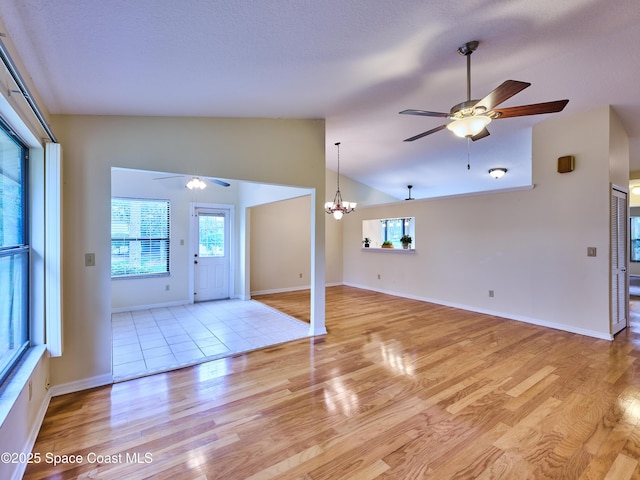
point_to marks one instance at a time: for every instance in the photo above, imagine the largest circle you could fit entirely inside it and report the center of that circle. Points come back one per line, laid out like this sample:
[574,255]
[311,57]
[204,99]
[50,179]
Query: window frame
[22,249]
[634,238]
[149,240]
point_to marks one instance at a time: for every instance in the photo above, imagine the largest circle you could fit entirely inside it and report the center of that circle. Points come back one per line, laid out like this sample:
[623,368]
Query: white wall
[529,246]
[287,152]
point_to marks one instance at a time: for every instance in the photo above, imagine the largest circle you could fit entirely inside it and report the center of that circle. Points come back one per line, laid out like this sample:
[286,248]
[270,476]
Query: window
[139,237]
[393,229]
[635,239]
[14,251]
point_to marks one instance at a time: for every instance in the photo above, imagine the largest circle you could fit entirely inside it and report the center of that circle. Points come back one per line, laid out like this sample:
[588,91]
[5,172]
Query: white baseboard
[177,303]
[519,318]
[280,290]
[93,382]
[292,289]
[18,473]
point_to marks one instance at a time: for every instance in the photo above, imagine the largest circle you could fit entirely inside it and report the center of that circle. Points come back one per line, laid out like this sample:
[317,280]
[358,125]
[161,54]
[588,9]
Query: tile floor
[161,339]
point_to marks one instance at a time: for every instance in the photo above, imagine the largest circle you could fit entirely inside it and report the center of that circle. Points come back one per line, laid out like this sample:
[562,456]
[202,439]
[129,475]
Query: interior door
[619,278]
[211,258]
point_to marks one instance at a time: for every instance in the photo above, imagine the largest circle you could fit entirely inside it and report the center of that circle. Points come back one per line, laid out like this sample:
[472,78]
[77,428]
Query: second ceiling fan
[470,118]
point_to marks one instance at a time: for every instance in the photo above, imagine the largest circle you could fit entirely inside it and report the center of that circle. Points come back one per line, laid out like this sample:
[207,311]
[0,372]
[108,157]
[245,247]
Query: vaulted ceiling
[354,63]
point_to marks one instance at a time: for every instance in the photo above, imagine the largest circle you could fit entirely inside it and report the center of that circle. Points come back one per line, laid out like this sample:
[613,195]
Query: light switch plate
[591,251]
[89,259]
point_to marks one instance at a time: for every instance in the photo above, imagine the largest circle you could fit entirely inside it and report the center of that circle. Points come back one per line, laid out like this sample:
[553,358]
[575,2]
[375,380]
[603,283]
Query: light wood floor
[398,389]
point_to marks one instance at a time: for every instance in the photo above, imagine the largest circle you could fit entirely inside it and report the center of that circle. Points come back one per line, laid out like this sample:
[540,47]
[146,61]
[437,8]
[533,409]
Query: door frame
[193,206]
[625,224]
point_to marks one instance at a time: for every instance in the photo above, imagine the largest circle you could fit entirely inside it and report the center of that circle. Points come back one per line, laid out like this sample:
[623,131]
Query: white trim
[281,290]
[18,473]
[455,195]
[388,250]
[53,249]
[132,308]
[85,384]
[291,289]
[18,379]
[193,206]
[519,318]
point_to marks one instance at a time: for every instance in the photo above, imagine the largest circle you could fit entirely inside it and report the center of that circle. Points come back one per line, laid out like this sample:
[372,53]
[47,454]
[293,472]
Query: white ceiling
[356,63]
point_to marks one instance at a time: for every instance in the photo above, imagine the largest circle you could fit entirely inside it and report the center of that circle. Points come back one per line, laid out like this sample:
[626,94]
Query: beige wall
[279,238]
[289,152]
[280,250]
[529,246]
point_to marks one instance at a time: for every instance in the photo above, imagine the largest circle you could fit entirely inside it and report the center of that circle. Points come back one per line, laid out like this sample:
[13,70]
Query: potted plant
[406,241]
[387,244]
[366,241]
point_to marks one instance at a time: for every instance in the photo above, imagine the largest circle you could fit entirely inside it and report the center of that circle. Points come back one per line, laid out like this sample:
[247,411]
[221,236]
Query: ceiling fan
[470,118]
[197,182]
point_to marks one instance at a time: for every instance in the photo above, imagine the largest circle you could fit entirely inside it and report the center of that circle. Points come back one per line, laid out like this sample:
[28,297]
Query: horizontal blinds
[139,237]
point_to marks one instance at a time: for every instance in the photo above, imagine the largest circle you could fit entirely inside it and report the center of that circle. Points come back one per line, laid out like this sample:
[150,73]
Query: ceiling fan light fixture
[469,126]
[195,182]
[497,172]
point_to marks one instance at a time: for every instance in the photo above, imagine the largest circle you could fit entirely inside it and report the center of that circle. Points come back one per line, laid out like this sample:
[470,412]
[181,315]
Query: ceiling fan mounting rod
[467,49]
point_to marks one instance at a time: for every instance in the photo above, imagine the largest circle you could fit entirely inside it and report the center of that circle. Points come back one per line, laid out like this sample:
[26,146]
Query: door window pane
[211,235]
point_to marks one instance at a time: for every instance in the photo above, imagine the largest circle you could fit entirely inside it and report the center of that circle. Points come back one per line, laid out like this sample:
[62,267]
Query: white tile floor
[161,339]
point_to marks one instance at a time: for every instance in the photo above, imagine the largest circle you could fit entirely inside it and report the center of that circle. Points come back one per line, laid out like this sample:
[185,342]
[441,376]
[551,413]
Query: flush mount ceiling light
[497,172]
[338,207]
[195,182]
[635,190]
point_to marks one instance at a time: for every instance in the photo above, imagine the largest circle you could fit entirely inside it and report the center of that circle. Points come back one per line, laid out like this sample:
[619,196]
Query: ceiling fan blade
[424,113]
[483,133]
[172,176]
[505,91]
[220,182]
[533,109]
[428,132]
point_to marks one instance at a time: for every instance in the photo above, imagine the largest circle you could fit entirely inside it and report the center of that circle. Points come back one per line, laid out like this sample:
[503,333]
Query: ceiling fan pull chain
[468,153]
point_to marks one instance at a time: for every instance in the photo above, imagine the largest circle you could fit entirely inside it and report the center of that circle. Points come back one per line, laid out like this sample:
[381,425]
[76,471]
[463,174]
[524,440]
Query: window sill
[392,250]
[18,379]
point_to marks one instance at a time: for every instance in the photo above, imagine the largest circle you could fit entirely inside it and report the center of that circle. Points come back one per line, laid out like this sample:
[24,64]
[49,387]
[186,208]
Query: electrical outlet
[491,293]
[378,276]
[300,275]
[47,384]
[30,390]
[166,288]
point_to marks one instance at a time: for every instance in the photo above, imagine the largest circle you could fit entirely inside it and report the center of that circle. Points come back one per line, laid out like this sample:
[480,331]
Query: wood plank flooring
[398,389]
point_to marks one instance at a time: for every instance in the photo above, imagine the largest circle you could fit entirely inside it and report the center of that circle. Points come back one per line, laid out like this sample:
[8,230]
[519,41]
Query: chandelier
[338,207]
